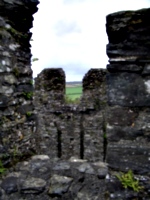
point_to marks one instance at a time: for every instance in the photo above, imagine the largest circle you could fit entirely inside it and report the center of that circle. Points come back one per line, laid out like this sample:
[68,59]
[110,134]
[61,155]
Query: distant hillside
[73,83]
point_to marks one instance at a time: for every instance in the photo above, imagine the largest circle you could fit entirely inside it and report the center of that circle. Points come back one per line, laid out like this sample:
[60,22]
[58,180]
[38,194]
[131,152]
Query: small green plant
[31,82]
[28,95]
[2,168]
[12,31]
[28,114]
[128,181]
[35,59]
[105,136]
[16,72]
[15,152]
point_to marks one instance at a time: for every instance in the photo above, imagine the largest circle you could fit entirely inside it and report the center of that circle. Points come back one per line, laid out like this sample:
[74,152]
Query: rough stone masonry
[53,150]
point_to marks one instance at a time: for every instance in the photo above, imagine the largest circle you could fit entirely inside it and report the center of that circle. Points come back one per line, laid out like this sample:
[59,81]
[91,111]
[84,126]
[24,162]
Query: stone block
[128,89]
[128,35]
[128,139]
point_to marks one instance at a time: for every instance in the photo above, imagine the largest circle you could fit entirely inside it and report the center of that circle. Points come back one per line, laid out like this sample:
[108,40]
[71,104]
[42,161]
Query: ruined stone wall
[128,114]
[111,122]
[16,88]
[84,145]
[66,130]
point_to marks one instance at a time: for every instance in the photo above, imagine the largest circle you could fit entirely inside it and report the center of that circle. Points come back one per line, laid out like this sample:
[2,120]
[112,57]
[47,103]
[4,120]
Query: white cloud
[71,34]
[62,28]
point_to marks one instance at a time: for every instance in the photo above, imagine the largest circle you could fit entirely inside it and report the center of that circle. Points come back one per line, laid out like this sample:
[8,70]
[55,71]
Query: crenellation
[75,125]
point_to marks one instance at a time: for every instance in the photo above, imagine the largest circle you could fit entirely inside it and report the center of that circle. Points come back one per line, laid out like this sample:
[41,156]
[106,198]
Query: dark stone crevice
[104,139]
[59,144]
[59,141]
[81,138]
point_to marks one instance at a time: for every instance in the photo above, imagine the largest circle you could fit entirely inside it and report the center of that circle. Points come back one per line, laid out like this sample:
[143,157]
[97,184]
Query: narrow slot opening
[104,140]
[81,138]
[59,134]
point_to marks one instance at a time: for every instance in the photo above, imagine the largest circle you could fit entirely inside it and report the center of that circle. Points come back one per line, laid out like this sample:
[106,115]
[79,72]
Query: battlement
[107,132]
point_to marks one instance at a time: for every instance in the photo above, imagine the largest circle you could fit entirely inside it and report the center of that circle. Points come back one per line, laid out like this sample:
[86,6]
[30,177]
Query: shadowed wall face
[51,80]
[16,89]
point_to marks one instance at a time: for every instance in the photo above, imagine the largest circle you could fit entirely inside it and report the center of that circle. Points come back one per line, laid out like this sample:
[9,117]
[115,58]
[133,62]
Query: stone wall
[82,147]
[128,114]
[66,130]
[16,89]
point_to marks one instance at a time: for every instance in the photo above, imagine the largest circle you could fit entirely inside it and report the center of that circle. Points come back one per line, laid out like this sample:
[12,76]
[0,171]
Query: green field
[74,91]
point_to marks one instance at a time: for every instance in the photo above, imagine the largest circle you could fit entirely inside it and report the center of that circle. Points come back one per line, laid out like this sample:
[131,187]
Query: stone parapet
[66,130]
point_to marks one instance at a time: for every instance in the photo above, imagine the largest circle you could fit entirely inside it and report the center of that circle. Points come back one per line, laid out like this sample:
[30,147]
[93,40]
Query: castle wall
[78,149]
[128,93]
[67,130]
[16,88]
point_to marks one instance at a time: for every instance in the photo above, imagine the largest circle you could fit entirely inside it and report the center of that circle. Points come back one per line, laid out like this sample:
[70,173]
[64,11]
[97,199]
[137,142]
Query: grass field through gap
[73,91]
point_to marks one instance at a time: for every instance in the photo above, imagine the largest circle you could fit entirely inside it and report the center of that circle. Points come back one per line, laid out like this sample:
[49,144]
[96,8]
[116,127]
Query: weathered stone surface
[93,136]
[94,90]
[3,101]
[86,168]
[25,89]
[121,116]
[128,139]
[15,79]
[127,117]
[74,140]
[40,157]
[94,79]
[129,157]
[51,79]
[128,89]
[59,184]
[19,19]
[146,70]
[47,136]
[33,185]
[62,166]
[128,34]
[64,179]
[70,137]
[126,67]
[10,185]
[10,79]
[24,109]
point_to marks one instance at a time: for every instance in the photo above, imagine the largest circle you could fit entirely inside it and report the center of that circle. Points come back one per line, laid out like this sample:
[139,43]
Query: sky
[71,34]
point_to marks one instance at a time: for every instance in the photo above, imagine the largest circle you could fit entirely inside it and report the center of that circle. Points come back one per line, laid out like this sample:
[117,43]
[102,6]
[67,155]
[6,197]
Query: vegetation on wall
[128,181]
[2,168]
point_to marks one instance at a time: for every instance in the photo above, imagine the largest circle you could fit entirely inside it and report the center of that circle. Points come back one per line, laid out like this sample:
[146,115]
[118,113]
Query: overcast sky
[71,34]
